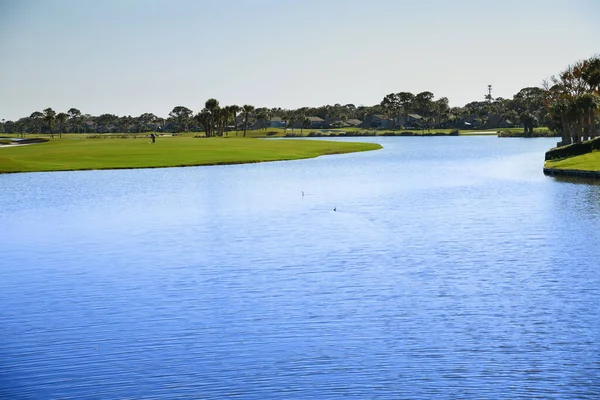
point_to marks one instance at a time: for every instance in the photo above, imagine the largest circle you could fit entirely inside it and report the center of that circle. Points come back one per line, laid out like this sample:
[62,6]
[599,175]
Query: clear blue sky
[127,57]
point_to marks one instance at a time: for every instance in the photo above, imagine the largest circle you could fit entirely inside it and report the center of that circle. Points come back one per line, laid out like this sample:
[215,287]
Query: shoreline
[572,172]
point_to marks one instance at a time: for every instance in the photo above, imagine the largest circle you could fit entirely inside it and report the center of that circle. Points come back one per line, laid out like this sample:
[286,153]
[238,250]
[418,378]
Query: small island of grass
[77,153]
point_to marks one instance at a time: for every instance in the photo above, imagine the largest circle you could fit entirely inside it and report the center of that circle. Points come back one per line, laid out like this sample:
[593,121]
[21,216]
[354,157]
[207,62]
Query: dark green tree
[61,120]
[247,110]
[182,117]
[49,116]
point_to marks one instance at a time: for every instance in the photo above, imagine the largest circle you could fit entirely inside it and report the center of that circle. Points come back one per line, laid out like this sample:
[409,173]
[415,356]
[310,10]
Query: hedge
[572,150]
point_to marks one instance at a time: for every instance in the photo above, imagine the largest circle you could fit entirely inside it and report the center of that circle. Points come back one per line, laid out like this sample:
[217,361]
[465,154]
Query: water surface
[452,268]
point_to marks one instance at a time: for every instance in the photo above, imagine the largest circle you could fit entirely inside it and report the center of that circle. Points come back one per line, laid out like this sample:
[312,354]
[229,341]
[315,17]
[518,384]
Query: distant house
[377,121]
[90,126]
[313,123]
[498,121]
[414,121]
[317,122]
[469,122]
[276,122]
[273,122]
[354,122]
[251,122]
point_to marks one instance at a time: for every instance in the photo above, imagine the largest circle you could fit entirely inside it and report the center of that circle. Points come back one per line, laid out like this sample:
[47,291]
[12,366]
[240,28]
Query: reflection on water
[452,268]
[577,180]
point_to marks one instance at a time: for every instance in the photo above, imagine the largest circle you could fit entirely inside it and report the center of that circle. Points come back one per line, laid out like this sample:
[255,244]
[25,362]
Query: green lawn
[75,152]
[584,162]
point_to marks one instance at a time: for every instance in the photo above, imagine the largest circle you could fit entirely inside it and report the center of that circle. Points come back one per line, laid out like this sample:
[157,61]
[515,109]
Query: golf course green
[75,152]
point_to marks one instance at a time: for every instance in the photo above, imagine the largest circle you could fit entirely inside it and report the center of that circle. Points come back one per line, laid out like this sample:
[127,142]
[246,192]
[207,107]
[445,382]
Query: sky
[127,57]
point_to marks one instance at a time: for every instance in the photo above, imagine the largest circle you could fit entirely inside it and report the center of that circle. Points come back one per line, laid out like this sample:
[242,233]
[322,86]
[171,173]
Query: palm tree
[588,104]
[212,105]
[574,115]
[305,122]
[235,109]
[222,117]
[300,116]
[247,109]
[286,117]
[591,73]
[594,108]
[226,118]
[204,118]
[262,115]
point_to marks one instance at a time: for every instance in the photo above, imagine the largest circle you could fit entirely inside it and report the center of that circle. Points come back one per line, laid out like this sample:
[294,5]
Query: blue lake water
[452,268]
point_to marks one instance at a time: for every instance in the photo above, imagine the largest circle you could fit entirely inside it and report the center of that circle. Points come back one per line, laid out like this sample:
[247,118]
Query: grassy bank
[584,162]
[75,152]
[583,156]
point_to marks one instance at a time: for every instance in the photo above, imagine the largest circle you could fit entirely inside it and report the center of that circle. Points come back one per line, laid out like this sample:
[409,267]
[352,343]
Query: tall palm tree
[235,109]
[286,117]
[300,116]
[588,104]
[247,110]
[304,122]
[204,118]
[226,118]
[222,118]
[212,105]
[559,109]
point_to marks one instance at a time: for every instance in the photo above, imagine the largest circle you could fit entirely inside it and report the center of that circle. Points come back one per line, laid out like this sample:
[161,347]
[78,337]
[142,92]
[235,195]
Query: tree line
[567,103]
[573,100]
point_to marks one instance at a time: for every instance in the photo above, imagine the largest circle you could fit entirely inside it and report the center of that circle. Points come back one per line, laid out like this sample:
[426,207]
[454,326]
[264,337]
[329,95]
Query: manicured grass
[76,153]
[584,162]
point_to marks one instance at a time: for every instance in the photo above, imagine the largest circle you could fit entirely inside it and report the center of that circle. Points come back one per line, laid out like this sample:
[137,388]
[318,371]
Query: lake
[450,268]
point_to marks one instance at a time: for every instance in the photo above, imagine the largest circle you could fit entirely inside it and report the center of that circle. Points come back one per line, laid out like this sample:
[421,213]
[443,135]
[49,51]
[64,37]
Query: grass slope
[81,154]
[584,162]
